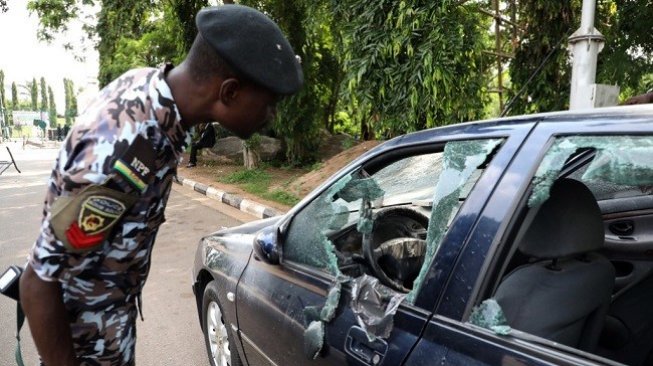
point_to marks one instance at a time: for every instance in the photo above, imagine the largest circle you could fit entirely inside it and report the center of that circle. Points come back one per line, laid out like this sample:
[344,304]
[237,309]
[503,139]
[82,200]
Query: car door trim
[527,343]
[255,347]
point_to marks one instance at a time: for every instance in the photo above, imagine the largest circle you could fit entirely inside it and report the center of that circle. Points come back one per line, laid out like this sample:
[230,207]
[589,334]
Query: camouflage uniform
[102,286]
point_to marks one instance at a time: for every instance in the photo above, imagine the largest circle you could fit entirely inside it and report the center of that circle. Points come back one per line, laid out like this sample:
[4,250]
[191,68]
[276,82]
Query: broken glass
[311,245]
[461,160]
[620,160]
[444,178]
[314,339]
[489,315]
[374,306]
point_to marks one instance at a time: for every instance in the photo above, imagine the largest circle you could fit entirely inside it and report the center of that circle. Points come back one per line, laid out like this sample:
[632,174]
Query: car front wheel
[219,342]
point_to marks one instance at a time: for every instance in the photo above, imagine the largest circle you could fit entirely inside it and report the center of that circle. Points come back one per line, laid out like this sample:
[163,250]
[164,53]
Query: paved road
[170,334]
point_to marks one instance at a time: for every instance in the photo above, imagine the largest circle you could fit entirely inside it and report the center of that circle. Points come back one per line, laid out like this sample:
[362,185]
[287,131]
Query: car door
[487,253]
[281,309]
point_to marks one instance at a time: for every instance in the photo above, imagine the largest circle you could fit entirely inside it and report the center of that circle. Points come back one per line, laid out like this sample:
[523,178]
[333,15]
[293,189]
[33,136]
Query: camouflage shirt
[100,285]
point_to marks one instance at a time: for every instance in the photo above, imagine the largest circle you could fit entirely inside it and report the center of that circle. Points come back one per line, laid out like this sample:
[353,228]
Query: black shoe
[191,165]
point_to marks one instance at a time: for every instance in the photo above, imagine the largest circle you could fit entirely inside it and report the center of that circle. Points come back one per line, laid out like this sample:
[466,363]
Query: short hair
[205,63]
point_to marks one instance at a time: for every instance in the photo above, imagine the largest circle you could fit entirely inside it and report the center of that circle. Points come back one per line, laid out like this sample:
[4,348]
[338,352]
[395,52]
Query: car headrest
[568,223]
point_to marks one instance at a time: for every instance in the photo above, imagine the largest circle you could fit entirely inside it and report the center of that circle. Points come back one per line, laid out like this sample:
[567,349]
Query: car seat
[564,292]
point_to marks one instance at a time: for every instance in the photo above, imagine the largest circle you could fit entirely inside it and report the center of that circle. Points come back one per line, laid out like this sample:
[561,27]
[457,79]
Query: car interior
[395,246]
[577,270]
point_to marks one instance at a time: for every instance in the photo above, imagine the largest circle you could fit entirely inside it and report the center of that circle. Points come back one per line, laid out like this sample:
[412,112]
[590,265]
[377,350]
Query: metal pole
[584,45]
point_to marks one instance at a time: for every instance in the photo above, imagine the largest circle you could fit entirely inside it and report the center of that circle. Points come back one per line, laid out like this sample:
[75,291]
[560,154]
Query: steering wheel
[394,248]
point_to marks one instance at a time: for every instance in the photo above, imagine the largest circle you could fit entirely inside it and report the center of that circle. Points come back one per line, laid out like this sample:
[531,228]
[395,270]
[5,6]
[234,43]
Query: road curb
[243,204]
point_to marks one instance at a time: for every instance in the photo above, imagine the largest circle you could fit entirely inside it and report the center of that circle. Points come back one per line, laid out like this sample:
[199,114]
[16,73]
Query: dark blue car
[517,241]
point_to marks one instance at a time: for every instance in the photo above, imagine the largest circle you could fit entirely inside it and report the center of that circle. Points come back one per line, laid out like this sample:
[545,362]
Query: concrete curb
[245,205]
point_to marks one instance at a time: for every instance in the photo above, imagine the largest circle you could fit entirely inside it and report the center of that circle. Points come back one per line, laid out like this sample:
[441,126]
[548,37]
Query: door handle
[622,228]
[358,346]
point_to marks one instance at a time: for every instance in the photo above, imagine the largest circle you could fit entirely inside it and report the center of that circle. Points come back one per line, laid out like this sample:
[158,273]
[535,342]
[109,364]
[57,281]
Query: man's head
[237,68]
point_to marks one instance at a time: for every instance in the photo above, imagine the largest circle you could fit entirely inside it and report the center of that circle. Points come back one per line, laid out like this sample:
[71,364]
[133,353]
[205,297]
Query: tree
[14,96]
[44,96]
[307,24]
[627,58]
[34,93]
[70,100]
[412,64]
[3,99]
[541,66]
[52,109]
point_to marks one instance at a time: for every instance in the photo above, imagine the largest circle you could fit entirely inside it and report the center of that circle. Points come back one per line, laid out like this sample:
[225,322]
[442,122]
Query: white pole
[585,45]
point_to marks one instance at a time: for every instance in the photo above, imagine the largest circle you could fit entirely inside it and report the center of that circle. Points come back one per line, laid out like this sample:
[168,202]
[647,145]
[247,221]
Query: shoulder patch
[83,222]
[137,163]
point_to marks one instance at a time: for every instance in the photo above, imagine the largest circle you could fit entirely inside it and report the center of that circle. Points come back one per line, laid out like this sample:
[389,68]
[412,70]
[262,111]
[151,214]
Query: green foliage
[308,26]
[180,16]
[345,124]
[54,15]
[14,96]
[282,197]
[549,88]
[3,99]
[257,181]
[412,64]
[246,176]
[118,20]
[627,58]
[71,102]
[44,96]
[52,109]
[34,93]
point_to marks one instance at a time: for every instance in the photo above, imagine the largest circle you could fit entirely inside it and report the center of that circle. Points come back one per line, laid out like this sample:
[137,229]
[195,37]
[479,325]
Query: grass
[257,181]
[282,197]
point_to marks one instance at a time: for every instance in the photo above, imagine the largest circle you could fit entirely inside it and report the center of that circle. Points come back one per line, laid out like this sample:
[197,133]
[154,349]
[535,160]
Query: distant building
[26,118]
[24,123]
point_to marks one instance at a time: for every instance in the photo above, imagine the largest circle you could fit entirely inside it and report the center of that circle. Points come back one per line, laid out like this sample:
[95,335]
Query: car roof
[507,124]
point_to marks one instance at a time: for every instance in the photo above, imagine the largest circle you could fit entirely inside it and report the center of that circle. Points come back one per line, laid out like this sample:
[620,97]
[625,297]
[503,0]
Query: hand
[47,317]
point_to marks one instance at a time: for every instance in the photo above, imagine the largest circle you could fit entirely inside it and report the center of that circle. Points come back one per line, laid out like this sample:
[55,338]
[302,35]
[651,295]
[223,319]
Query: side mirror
[266,245]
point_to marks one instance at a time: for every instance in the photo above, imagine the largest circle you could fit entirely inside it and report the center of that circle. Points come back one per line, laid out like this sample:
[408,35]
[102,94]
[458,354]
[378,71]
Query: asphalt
[249,206]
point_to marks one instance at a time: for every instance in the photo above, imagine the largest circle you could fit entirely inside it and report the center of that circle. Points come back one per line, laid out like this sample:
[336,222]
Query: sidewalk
[244,204]
[203,181]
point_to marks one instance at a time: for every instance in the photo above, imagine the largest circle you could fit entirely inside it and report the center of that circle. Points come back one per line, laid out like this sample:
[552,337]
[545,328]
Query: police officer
[110,184]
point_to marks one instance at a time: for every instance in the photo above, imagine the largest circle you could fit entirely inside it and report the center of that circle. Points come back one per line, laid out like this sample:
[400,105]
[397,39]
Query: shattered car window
[380,232]
[461,162]
[621,166]
[489,315]
[349,201]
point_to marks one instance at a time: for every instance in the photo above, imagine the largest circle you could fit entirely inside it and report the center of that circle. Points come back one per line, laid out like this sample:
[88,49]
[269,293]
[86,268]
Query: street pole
[585,45]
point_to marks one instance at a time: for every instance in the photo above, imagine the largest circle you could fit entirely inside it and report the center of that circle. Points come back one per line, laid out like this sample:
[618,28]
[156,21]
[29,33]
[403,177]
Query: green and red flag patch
[137,163]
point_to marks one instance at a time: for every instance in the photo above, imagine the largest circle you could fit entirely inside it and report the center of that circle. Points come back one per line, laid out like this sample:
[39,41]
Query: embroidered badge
[97,214]
[137,163]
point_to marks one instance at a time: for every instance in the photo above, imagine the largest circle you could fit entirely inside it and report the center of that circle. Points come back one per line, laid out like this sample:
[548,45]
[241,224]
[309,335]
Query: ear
[229,90]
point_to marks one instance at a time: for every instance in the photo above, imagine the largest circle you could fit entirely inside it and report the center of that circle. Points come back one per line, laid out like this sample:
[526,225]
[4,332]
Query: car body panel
[271,299]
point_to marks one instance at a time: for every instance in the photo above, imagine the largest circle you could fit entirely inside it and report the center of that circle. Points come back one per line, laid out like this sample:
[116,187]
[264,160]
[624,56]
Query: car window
[557,282]
[621,166]
[404,208]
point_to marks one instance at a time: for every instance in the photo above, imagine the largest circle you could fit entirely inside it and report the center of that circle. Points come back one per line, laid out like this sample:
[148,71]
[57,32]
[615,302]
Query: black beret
[253,45]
